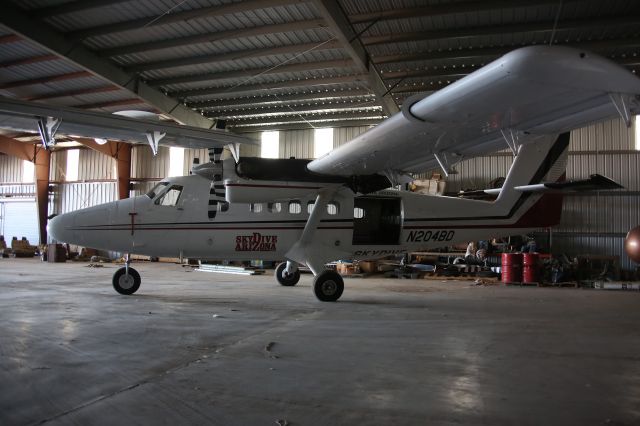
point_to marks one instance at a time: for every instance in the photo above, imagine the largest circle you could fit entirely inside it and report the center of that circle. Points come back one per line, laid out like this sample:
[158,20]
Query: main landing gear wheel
[285,279]
[126,283]
[328,286]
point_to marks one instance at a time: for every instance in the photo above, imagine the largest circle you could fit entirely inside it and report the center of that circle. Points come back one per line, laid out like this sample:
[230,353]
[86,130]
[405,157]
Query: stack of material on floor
[56,253]
[368,266]
[4,252]
[434,186]
[347,268]
[86,253]
[22,248]
[236,270]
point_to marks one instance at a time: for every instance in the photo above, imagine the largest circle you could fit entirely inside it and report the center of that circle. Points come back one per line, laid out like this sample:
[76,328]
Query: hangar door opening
[19,218]
[377,220]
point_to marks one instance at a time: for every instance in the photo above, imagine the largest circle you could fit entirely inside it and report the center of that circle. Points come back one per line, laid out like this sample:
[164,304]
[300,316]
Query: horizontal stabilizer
[595,182]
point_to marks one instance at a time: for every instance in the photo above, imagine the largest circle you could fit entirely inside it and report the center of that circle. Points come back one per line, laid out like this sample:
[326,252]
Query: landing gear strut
[126,280]
[287,274]
[328,286]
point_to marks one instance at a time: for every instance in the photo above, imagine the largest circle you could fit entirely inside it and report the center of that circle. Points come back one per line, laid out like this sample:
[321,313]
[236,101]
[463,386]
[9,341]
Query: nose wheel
[328,286]
[126,280]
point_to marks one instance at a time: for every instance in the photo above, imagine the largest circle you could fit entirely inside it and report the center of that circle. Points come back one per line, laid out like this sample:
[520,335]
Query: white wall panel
[10,169]
[94,165]
[145,165]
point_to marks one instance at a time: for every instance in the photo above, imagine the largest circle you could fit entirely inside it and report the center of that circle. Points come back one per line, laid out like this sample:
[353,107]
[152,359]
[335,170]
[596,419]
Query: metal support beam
[337,115]
[304,125]
[249,89]
[42,162]
[48,79]
[73,6]
[72,93]
[249,73]
[448,9]
[309,96]
[341,28]
[212,37]
[180,16]
[491,52]
[41,159]
[121,152]
[43,35]
[28,61]
[296,108]
[108,104]
[234,56]
[460,33]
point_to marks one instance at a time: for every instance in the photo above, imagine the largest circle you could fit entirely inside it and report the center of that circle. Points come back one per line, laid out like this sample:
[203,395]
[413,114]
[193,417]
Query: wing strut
[234,148]
[47,128]
[621,107]
[445,163]
[511,139]
[154,138]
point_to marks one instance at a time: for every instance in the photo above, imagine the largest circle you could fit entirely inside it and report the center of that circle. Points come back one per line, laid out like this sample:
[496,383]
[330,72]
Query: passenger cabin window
[255,207]
[156,190]
[295,207]
[170,197]
[275,207]
[358,213]
[310,205]
[333,208]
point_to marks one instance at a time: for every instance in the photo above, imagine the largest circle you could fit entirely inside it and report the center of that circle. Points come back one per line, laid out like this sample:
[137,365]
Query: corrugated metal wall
[10,169]
[93,165]
[342,135]
[297,143]
[11,177]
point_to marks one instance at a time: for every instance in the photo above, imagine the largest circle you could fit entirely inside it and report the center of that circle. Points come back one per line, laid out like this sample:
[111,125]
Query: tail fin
[544,160]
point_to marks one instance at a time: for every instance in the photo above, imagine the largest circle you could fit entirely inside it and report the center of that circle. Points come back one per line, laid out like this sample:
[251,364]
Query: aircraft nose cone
[59,227]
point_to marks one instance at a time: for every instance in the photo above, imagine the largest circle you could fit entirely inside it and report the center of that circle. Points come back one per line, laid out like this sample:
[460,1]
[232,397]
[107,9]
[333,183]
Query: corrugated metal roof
[432,26]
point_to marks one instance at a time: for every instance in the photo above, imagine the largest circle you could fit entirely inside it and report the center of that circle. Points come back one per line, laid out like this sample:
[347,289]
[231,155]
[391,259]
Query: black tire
[287,281]
[124,284]
[328,286]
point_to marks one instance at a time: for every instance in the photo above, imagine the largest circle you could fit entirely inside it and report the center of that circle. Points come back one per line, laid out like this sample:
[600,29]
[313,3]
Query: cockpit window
[156,190]
[170,197]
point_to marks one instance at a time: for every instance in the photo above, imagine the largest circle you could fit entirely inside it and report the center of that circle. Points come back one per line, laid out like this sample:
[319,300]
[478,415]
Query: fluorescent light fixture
[323,142]
[176,161]
[270,147]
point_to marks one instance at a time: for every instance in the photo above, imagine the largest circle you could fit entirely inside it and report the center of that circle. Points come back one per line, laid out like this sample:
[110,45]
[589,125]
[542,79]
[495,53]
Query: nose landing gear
[126,280]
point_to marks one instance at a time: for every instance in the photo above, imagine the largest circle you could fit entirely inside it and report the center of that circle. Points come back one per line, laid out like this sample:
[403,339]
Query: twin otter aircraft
[339,206]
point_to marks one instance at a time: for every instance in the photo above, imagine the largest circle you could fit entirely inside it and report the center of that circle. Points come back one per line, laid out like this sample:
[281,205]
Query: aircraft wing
[529,92]
[25,116]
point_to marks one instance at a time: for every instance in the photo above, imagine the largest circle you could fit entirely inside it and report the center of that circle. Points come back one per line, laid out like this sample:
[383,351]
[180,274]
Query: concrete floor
[203,348]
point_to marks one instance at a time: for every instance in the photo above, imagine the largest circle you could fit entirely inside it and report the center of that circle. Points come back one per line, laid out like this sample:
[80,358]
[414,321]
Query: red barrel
[511,267]
[531,267]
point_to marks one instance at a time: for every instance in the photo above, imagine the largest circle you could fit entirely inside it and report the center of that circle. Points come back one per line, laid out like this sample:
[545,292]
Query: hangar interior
[308,76]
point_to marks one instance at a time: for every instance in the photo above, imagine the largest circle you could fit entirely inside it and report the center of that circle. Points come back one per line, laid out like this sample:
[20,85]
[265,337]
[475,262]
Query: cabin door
[377,220]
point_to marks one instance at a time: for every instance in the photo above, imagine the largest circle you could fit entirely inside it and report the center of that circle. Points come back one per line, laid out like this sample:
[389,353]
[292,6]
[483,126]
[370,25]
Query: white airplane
[339,206]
